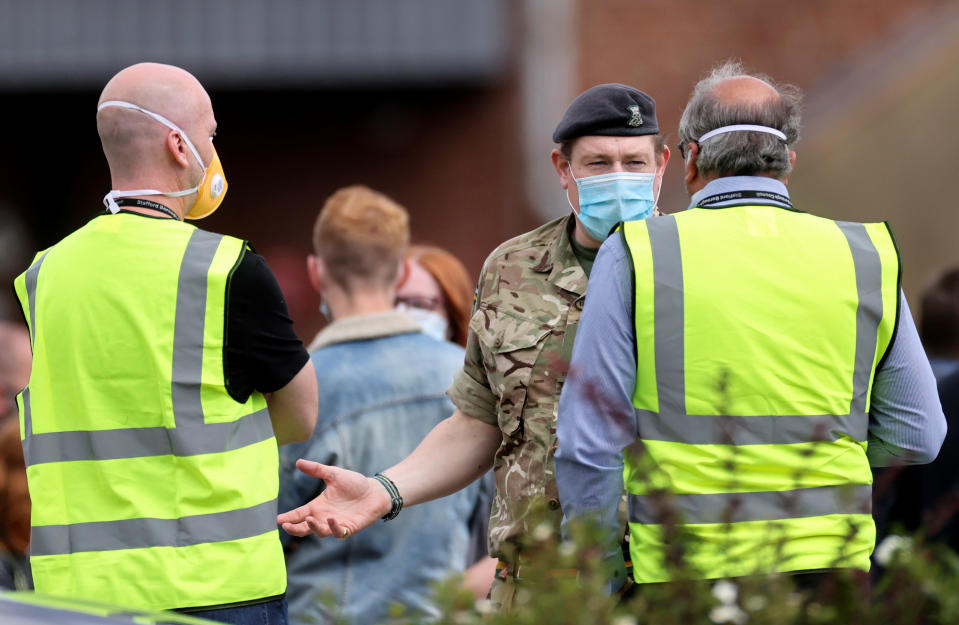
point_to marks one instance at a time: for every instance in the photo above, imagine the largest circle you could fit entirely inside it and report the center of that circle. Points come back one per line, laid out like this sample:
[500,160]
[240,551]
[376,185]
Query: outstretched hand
[349,503]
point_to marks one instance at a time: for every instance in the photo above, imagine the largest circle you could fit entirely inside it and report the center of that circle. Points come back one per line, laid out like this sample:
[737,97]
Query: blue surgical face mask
[607,199]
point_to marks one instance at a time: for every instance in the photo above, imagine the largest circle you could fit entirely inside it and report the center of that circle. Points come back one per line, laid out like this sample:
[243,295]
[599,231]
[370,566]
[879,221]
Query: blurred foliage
[565,582]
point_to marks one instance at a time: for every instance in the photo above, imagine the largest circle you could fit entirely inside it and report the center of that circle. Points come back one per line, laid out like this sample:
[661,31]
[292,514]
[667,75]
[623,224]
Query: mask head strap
[160,118]
[742,128]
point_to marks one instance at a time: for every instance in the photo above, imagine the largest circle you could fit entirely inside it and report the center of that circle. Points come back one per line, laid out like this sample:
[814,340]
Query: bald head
[137,146]
[729,96]
[744,90]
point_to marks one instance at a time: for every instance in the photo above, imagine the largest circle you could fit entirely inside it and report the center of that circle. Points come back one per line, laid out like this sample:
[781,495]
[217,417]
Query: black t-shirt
[261,351]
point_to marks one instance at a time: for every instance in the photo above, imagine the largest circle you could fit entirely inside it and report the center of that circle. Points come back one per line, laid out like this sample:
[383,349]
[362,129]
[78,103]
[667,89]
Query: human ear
[316,272]
[178,148]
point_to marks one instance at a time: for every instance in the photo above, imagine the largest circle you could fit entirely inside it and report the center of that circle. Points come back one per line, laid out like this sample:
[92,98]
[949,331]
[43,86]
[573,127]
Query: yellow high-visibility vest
[151,486]
[758,333]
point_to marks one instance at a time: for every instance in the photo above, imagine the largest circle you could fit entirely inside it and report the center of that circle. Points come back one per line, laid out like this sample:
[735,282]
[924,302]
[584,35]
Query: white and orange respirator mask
[209,193]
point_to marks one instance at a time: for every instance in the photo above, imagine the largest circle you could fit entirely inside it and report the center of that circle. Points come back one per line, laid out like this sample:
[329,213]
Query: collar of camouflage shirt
[558,259]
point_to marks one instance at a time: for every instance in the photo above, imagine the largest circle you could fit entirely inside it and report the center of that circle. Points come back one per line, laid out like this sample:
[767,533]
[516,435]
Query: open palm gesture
[350,502]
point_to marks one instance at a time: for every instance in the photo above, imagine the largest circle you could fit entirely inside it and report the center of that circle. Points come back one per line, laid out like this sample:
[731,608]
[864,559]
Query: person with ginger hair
[382,380]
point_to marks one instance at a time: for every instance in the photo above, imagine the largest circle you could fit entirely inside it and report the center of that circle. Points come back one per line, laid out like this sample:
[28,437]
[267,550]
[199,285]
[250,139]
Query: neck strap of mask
[141,203]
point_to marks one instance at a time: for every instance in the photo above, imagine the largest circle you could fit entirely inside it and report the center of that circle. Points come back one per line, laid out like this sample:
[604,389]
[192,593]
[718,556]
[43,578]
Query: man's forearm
[456,452]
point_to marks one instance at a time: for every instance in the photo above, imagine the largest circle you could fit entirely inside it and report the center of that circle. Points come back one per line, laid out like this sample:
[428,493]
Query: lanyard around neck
[135,201]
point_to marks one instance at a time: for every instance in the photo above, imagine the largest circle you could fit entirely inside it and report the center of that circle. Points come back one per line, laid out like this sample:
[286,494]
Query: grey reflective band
[190,436]
[181,441]
[750,430]
[30,282]
[49,540]
[668,315]
[865,257]
[755,506]
[188,327]
[672,423]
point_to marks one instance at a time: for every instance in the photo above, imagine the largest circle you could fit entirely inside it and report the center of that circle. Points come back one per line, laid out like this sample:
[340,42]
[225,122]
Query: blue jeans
[269,613]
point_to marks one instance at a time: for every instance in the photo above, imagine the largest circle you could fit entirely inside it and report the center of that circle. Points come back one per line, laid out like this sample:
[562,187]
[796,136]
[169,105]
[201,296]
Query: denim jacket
[382,389]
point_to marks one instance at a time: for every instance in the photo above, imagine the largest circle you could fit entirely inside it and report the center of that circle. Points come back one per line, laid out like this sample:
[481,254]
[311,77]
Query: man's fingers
[296,529]
[314,469]
[320,529]
[296,515]
[340,531]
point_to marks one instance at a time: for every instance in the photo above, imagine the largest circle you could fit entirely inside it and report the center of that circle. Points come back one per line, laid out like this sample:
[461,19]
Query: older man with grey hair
[752,359]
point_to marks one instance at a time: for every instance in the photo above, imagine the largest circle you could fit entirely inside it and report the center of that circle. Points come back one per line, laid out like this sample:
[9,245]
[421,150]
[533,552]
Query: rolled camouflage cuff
[473,398]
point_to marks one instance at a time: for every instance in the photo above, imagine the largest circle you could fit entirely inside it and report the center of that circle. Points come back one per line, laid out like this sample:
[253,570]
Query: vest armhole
[226,312]
[895,325]
[632,286]
[23,313]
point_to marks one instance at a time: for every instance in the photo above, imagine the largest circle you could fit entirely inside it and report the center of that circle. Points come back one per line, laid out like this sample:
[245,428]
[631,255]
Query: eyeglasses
[682,146]
[417,301]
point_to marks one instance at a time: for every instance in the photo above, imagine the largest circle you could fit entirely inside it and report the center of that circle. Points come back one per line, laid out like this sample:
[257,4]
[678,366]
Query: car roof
[28,608]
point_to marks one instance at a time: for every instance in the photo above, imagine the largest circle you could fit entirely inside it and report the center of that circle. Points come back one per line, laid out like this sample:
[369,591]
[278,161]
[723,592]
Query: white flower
[756,603]
[725,592]
[728,614]
[484,606]
[889,546]
[543,531]
[624,619]
[567,549]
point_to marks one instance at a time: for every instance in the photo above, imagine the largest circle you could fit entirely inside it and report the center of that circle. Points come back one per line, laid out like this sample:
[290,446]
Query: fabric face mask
[432,323]
[607,199]
[209,193]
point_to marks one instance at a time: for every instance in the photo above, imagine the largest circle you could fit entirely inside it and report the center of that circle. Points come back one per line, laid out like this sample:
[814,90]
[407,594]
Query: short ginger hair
[361,235]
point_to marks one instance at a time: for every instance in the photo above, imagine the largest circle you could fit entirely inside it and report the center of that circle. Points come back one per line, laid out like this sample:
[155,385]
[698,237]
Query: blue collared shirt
[906,420]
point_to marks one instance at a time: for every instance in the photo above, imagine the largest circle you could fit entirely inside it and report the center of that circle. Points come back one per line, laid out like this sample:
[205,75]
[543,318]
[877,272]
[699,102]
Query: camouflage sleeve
[470,391]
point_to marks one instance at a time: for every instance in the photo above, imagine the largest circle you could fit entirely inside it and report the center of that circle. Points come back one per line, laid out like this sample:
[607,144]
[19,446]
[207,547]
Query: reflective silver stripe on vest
[30,282]
[868,265]
[751,430]
[672,423]
[49,540]
[188,327]
[756,506]
[668,314]
[185,440]
[191,436]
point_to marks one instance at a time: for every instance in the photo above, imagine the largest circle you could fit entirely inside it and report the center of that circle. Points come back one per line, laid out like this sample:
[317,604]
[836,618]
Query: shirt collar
[364,328]
[731,184]
[560,261]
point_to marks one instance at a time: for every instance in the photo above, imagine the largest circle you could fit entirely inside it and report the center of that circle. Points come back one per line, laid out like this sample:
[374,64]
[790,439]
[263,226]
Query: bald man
[166,370]
[14,366]
[751,360]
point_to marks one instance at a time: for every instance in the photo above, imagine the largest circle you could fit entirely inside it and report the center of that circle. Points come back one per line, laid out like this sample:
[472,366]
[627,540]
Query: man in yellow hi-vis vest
[754,359]
[165,372]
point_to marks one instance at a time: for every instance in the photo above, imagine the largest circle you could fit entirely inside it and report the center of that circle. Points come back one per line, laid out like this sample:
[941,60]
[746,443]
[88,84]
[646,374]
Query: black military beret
[611,110]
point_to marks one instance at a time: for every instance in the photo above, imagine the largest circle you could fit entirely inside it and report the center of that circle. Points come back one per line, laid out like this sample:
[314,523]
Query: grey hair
[741,153]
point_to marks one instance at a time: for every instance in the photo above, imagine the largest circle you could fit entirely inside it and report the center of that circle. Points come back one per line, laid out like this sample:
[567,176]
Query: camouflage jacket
[529,300]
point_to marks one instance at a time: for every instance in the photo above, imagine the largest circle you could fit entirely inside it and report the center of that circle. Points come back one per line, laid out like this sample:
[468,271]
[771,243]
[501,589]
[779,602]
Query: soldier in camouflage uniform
[530,295]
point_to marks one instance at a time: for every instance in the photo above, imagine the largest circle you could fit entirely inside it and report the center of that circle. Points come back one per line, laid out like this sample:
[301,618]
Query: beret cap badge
[635,119]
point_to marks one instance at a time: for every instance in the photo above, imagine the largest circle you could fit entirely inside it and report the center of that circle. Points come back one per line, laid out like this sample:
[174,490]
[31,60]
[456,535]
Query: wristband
[394,493]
